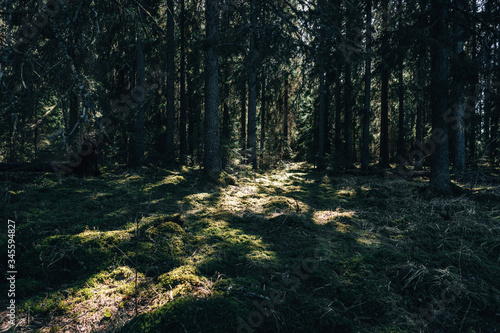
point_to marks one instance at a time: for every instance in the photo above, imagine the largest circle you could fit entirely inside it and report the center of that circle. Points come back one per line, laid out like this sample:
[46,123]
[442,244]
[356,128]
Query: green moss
[345,254]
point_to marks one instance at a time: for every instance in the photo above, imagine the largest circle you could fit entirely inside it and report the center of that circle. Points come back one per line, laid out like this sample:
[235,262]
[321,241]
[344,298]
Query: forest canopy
[213,83]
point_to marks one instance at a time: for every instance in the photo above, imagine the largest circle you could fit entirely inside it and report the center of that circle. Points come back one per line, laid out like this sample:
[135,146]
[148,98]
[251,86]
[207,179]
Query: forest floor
[286,250]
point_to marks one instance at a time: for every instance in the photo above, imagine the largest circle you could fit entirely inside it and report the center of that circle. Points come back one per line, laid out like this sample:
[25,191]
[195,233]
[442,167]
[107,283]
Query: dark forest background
[336,83]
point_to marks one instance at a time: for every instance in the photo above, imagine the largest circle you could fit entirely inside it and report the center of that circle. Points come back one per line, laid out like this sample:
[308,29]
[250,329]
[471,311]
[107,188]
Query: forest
[250,166]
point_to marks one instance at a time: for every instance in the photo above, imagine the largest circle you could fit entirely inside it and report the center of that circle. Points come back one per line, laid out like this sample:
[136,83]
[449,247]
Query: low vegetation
[288,250]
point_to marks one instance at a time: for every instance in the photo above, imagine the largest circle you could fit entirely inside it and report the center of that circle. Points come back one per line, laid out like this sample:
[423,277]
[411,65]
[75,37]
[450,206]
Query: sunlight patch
[326,216]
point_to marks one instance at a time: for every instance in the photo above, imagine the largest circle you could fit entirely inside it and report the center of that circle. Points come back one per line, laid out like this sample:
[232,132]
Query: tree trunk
[263,116]
[226,120]
[140,93]
[321,122]
[252,88]
[213,164]
[243,119]
[420,109]
[328,84]
[470,103]
[384,102]
[440,173]
[348,117]
[365,152]
[338,112]
[183,108]
[194,108]
[170,151]
[401,115]
[285,120]
[459,124]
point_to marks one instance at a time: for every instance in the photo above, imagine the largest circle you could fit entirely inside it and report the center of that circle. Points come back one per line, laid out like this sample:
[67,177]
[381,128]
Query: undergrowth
[291,250]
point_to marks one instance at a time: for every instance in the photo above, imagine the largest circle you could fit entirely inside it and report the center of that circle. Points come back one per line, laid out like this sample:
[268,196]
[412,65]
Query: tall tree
[140,91]
[285,120]
[170,151]
[365,152]
[338,112]
[322,91]
[252,86]
[348,116]
[243,118]
[459,87]
[322,116]
[420,107]
[263,117]
[213,165]
[440,181]
[384,103]
[183,100]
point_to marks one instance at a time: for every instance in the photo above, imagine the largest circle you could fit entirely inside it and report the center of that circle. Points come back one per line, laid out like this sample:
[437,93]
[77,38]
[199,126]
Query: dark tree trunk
[401,115]
[365,152]
[252,88]
[183,107]
[243,118]
[338,113]
[459,112]
[170,148]
[226,120]
[328,84]
[384,103]
[321,121]
[285,120]
[420,109]
[140,92]
[470,103]
[440,173]
[194,106]
[263,116]
[213,163]
[348,117]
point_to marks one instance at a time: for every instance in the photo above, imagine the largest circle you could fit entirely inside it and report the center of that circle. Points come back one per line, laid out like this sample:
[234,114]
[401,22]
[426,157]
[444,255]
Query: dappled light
[176,249]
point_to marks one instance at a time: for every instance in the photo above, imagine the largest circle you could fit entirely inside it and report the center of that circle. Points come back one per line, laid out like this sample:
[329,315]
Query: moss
[344,254]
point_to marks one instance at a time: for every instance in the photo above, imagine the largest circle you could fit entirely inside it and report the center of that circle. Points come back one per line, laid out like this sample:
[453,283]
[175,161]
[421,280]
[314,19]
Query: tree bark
[440,173]
[322,113]
[226,119]
[459,125]
[213,163]
[470,104]
[338,113]
[243,119]
[252,88]
[420,109]
[285,120]
[348,117]
[263,116]
[183,107]
[401,114]
[384,103]
[140,92]
[365,152]
[170,151]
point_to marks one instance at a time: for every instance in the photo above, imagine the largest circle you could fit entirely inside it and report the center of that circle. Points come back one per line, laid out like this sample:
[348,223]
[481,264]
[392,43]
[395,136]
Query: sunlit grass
[207,254]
